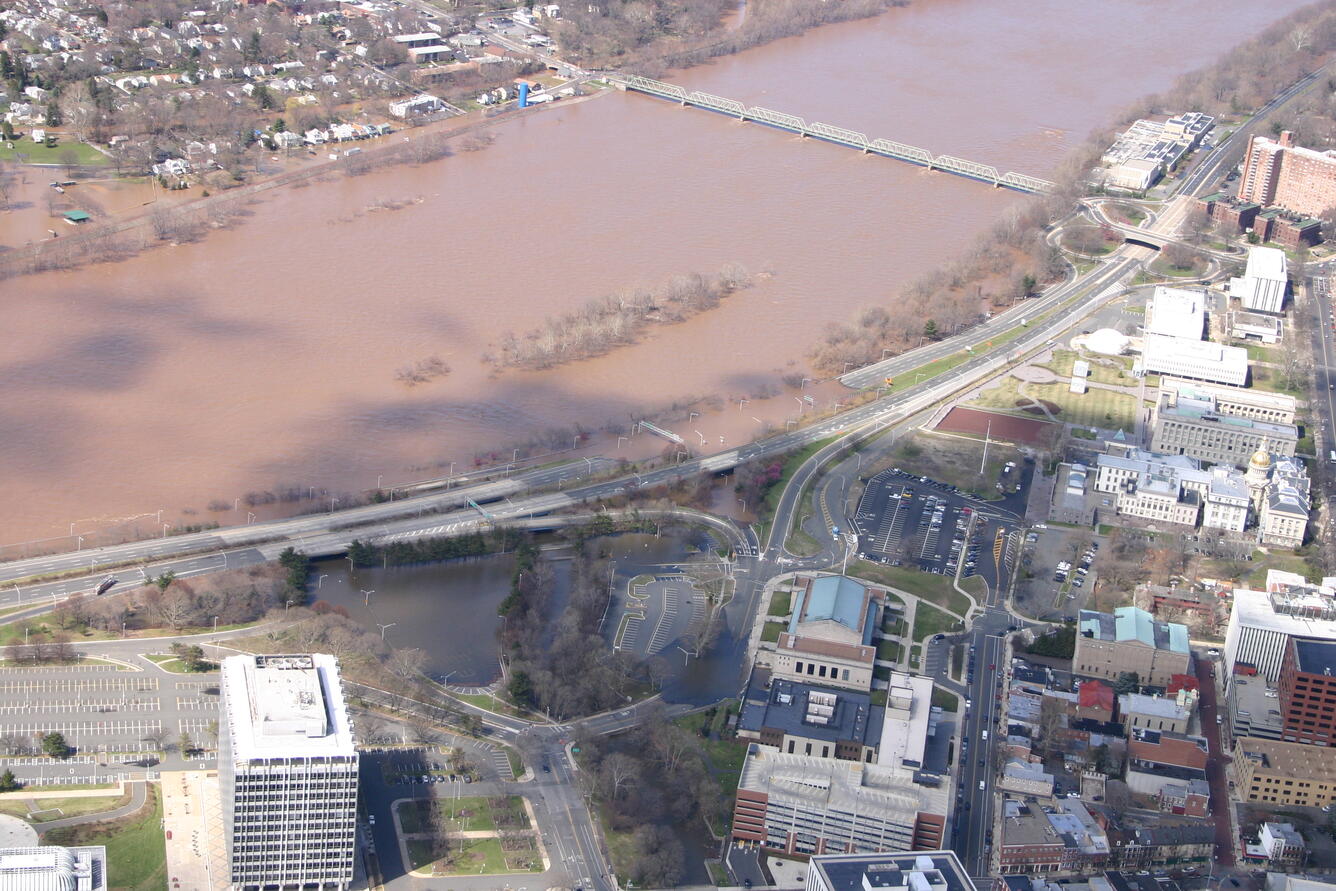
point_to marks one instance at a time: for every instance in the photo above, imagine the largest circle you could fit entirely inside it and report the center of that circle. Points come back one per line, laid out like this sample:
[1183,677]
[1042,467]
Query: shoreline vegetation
[622,34]
[1013,259]
[603,324]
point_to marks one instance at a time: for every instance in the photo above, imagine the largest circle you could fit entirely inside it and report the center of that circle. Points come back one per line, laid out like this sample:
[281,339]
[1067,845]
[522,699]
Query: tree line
[563,666]
[649,781]
[605,323]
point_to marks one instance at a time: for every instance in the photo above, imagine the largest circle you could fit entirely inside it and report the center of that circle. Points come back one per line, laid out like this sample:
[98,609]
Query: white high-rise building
[1262,287]
[1261,623]
[288,771]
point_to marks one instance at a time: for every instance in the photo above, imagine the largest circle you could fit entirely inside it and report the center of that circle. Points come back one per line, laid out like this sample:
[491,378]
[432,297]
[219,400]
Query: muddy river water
[265,355]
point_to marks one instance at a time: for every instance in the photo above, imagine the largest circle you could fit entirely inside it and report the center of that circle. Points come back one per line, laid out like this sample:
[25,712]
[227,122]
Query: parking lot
[1059,570]
[114,717]
[904,520]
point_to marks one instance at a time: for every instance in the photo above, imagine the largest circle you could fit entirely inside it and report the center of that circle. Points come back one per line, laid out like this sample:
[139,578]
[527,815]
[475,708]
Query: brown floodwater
[266,355]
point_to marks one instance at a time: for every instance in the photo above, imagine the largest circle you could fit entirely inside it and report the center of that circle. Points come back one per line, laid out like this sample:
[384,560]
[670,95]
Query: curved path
[138,795]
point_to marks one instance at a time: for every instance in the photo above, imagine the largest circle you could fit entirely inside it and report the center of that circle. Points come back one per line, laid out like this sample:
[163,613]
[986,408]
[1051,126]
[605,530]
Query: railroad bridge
[838,135]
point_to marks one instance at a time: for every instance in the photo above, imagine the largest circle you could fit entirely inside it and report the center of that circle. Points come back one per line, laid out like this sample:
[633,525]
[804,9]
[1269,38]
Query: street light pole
[366,600]
[383,628]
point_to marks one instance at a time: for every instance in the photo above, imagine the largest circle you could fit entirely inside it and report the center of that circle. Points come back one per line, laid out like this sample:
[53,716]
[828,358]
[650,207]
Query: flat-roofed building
[806,804]
[1285,773]
[1262,286]
[829,638]
[890,871]
[805,719]
[1196,359]
[1177,312]
[288,773]
[1057,837]
[1171,713]
[1254,709]
[1261,623]
[1238,402]
[1130,640]
[1255,326]
[1187,424]
[1276,171]
[1307,690]
[54,868]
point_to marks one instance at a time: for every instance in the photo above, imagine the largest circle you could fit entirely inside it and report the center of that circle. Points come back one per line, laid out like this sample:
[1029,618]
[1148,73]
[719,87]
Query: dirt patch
[1008,427]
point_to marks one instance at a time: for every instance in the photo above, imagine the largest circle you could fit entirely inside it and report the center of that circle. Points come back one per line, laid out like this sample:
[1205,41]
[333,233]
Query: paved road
[1211,166]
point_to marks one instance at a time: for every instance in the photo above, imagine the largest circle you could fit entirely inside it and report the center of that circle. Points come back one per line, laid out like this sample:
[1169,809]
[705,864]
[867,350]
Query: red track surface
[1008,427]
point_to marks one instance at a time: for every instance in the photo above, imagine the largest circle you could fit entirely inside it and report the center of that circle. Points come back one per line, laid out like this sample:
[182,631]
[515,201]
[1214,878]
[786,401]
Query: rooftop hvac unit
[822,698]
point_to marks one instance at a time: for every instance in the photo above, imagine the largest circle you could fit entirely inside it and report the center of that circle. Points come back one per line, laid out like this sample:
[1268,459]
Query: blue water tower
[524,95]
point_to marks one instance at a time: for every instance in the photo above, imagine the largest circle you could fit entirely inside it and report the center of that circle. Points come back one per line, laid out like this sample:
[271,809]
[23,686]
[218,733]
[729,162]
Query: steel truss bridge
[838,135]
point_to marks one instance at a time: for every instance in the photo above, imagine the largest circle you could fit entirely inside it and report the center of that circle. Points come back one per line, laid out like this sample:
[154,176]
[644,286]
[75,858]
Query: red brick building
[1307,691]
[1279,173]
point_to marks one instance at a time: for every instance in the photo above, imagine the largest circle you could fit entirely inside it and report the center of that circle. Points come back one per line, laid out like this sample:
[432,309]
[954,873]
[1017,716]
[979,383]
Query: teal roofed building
[829,639]
[1130,639]
[838,599]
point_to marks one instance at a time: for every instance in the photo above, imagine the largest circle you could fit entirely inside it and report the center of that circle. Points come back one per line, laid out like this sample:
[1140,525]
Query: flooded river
[265,356]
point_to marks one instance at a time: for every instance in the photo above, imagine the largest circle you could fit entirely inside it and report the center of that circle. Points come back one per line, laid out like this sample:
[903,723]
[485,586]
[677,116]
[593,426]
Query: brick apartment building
[1274,224]
[1278,173]
[1307,689]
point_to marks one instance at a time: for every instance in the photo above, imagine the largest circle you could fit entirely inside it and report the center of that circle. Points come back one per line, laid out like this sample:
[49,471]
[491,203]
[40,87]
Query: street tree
[54,745]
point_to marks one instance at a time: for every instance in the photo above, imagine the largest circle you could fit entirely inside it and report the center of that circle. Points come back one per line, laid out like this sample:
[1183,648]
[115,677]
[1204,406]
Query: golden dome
[1260,459]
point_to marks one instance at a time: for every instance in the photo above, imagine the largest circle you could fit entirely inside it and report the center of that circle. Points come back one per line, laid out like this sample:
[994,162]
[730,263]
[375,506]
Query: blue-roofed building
[829,638]
[1130,639]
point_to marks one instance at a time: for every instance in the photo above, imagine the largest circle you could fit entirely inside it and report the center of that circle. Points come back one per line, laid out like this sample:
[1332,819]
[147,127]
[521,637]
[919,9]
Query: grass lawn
[1270,379]
[929,620]
[889,650]
[473,814]
[173,664]
[1257,352]
[48,809]
[928,371]
[944,699]
[1100,373]
[516,762]
[781,603]
[26,151]
[483,700]
[770,631]
[136,847]
[766,510]
[1161,266]
[933,588]
[1094,408]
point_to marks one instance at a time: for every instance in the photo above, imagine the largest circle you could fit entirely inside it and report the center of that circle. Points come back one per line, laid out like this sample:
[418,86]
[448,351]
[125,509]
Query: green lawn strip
[9,630]
[621,843]
[516,762]
[1094,408]
[889,650]
[932,588]
[915,376]
[766,510]
[945,699]
[1269,379]
[136,846]
[73,787]
[770,631]
[47,809]
[882,673]
[26,151]
[492,704]
[176,666]
[781,603]
[929,620]
[914,656]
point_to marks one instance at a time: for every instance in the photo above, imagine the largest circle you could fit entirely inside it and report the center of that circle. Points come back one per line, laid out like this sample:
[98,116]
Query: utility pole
[988,435]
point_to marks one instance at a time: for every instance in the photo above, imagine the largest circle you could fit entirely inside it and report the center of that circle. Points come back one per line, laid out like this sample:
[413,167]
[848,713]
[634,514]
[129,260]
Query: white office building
[1177,312]
[1261,623]
[288,771]
[1262,288]
[1196,359]
[53,868]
